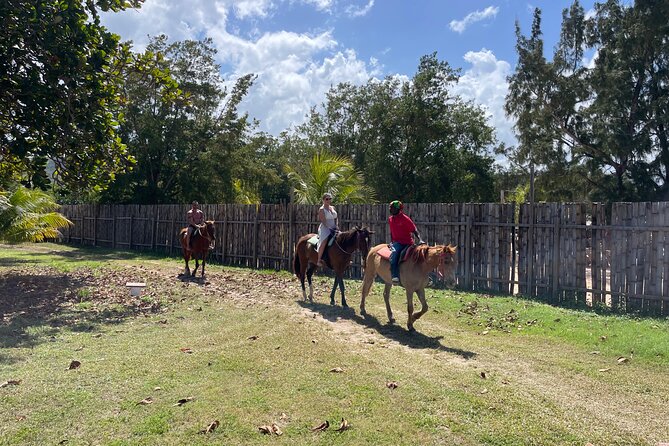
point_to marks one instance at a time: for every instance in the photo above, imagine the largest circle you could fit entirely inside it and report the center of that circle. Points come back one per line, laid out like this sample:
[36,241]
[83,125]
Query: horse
[414,271]
[201,241]
[337,257]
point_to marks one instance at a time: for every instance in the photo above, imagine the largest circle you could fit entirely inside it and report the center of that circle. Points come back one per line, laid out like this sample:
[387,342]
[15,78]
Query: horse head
[363,240]
[209,231]
[448,262]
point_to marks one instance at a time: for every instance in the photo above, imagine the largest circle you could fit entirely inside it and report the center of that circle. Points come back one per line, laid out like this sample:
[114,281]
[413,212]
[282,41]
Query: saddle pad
[314,240]
[385,253]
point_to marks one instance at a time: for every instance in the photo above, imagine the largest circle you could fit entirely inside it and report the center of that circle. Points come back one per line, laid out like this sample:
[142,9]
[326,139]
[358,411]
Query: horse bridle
[355,247]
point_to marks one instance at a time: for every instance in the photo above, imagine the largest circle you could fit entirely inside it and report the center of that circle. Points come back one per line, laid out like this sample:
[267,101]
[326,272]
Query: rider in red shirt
[401,230]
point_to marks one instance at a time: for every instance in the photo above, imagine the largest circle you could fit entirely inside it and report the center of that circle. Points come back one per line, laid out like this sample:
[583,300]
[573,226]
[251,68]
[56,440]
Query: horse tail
[296,264]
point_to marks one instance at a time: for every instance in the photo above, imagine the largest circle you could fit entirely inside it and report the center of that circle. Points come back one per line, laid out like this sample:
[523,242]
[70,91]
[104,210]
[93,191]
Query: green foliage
[603,125]
[413,140]
[60,93]
[328,173]
[28,215]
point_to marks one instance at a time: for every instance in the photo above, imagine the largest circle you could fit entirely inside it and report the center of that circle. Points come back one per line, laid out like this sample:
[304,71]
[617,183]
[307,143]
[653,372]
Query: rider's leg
[321,250]
[189,230]
[395,262]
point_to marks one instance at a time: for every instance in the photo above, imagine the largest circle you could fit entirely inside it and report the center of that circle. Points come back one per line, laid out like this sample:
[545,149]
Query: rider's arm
[321,216]
[189,218]
[417,237]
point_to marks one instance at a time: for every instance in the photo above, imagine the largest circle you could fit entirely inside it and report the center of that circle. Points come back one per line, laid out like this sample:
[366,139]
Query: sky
[300,48]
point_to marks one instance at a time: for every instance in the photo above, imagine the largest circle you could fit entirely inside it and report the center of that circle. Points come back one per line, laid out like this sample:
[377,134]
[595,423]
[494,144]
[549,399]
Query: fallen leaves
[343,426]
[11,382]
[321,427]
[146,401]
[253,338]
[605,370]
[186,350]
[183,401]
[337,370]
[74,365]
[271,429]
[211,428]
[483,375]
[392,385]
[622,360]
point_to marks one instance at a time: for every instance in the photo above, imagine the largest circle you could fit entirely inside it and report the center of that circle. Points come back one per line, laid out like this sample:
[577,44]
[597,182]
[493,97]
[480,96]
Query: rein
[343,250]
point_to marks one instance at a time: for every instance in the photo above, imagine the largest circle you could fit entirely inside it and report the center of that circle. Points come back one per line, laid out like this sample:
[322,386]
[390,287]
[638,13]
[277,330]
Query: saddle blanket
[314,240]
[385,253]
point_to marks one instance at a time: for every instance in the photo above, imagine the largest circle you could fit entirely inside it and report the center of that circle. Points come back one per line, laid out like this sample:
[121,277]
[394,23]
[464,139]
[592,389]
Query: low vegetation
[239,359]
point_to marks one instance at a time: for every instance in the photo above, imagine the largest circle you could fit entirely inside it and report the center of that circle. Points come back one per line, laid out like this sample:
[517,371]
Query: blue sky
[299,48]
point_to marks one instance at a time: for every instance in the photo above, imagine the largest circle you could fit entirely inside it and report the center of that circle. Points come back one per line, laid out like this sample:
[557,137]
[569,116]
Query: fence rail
[564,252]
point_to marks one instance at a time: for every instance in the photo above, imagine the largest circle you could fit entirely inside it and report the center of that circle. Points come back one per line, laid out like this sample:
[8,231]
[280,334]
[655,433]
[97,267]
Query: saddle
[404,255]
[314,240]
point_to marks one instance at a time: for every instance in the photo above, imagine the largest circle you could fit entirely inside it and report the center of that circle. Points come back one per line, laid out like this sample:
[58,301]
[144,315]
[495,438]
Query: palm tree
[28,215]
[329,173]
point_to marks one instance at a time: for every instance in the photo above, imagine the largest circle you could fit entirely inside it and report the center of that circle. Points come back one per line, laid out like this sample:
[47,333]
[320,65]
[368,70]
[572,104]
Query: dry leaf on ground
[337,370]
[74,365]
[186,350]
[343,426]
[146,401]
[211,428]
[183,401]
[321,427]
[253,338]
[271,429]
[11,382]
[392,384]
[483,375]
[604,370]
[622,359]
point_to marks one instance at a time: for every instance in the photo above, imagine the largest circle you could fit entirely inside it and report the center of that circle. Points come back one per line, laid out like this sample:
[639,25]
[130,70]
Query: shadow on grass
[394,332]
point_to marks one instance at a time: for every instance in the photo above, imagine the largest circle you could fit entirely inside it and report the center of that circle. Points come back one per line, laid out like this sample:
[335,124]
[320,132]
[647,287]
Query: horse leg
[186,259]
[197,265]
[343,293]
[410,310]
[386,298]
[334,290]
[204,261]
[423,304]
[310,272]
[367,282]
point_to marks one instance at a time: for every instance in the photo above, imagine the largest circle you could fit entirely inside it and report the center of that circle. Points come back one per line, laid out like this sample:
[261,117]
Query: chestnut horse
[201,241]
[337,257]
[413,275]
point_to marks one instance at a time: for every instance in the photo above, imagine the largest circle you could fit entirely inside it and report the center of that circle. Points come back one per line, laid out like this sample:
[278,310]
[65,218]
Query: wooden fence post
[130,232]
[225,233]
[530,253]
[170,236]
[468,255]
[255,237]
[154,229]
[556,255]
[95,230]
[291,234]
[114,232]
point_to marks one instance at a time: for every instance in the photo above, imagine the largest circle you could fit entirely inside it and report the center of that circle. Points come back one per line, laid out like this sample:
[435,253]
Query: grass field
[242,349]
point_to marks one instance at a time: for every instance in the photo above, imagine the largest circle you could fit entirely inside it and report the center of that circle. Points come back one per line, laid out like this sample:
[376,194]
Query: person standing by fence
[328,218]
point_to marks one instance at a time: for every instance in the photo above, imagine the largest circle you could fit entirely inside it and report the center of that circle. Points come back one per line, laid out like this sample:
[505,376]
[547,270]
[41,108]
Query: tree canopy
[597,113]
[60,81]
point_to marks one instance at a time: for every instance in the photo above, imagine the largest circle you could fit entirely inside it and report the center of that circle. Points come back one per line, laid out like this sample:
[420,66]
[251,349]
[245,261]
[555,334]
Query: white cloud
[485,83]
[359,11]
[294,70]
[459,26]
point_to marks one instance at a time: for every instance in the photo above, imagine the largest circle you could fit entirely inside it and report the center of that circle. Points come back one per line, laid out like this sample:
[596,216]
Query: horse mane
[419,254]
[346,237]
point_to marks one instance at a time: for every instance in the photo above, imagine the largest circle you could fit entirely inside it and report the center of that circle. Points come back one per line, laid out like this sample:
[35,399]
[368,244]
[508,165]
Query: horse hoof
[411,330]
[344,304]
[332,302]
[391,321]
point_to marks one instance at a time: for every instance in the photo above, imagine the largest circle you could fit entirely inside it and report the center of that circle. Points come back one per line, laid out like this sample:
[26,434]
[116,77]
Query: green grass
[542,385]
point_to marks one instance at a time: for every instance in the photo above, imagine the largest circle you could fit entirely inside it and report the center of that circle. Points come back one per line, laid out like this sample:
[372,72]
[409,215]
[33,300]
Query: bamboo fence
[561,252]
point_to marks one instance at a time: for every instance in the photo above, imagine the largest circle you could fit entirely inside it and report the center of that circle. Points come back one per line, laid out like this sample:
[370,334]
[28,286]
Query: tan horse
[202,240]
[413,275]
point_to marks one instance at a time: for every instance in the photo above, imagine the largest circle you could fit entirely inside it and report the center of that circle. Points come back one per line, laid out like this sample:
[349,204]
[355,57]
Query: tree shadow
[34,306]
[393,332]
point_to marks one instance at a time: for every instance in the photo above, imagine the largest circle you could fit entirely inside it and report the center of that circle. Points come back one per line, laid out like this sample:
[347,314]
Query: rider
[195,219]
[328,218]
[401,230]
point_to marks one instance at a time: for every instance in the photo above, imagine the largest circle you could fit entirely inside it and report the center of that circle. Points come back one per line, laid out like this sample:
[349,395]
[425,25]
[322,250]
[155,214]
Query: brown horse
[413,275]
[201,241]
[337,257]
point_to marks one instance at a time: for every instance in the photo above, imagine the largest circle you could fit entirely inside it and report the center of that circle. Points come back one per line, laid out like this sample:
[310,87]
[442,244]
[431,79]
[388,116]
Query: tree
[188,138]
[414,140]
[605,122]
[329,173]
[28,215]
[60,79]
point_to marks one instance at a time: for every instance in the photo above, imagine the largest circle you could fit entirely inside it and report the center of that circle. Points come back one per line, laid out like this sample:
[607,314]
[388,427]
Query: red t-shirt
[401,227]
